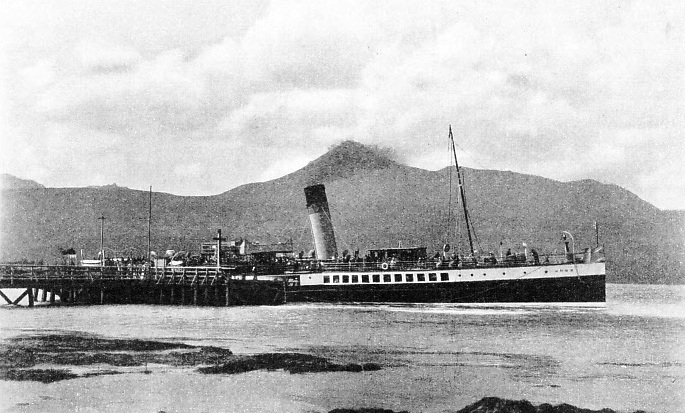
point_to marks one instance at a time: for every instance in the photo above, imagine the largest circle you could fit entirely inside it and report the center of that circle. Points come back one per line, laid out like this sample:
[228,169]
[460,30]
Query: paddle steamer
[409,275]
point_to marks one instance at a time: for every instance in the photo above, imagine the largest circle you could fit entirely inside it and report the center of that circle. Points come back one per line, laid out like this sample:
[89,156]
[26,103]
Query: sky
[197,97]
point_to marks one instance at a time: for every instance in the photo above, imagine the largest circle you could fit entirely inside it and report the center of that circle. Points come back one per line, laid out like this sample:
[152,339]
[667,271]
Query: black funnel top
[315,194]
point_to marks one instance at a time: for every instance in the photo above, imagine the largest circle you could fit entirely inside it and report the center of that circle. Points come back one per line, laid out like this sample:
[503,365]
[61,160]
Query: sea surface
[627,355]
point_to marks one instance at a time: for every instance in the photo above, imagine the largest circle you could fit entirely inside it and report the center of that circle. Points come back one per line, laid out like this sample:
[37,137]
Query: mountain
[375,202]
[345,161]
[8,181]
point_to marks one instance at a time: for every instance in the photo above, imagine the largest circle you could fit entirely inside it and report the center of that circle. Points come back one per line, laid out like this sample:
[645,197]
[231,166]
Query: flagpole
[596,235]
[149,224]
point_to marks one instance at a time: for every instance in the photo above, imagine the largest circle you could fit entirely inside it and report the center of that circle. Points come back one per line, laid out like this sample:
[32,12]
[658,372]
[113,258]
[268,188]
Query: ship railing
[485,261]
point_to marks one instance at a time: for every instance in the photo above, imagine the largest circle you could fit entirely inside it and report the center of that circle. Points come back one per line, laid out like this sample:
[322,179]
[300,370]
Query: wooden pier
[139,285]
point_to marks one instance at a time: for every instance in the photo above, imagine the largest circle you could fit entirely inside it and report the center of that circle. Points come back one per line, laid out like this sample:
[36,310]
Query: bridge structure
[69,284]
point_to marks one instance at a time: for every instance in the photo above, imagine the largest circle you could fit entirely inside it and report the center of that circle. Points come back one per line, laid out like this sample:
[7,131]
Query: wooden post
[52,296]
[44,297]
[5,297]
[195,295]
[102,295]
[228,291]
[31,297]
[285,290]
[16,302]
[35,294]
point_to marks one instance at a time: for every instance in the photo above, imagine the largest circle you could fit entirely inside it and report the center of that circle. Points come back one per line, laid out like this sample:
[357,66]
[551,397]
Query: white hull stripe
[440,275]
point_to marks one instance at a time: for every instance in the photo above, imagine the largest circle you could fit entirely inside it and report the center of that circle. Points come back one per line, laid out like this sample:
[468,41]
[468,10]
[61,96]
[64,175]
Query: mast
[149,224]
[461,192]
[102,240]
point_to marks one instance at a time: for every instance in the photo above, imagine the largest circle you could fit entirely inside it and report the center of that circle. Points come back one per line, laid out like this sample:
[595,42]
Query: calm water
[626,356]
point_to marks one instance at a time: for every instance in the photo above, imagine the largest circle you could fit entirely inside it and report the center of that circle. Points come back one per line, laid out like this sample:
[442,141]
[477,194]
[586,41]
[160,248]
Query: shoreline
[44,358]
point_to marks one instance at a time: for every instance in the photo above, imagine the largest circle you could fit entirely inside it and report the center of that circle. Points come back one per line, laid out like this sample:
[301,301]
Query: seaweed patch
[21,357]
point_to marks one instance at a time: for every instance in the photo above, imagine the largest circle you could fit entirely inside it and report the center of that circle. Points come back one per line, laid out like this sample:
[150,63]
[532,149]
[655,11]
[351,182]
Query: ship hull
[576,289]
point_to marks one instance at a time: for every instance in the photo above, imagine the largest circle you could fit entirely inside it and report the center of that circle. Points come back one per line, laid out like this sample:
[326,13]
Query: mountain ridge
[375,202]
[8,181]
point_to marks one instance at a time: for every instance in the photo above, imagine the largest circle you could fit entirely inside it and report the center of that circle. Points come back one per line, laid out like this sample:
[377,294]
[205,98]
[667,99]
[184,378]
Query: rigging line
[449,205]
[484,168]
[304,229]
[473,229]
[330,219]
[461,189]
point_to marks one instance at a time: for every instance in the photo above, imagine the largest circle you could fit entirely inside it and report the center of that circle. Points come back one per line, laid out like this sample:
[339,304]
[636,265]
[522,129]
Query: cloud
[101,58]
[158,94]
[295,119]
[563,90]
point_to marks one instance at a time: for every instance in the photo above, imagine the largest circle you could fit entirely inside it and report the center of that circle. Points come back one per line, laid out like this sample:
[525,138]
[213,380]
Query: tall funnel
[322,226]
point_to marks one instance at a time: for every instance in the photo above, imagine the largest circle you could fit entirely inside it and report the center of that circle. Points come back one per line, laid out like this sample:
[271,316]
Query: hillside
[12,182]
[375,202]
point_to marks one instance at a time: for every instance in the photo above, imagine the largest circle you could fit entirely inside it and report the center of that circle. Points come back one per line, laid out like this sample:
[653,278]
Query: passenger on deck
[471,260]
[509,256]
[536,257]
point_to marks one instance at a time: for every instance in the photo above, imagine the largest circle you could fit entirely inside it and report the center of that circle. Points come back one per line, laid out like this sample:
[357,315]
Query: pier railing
[14,273]
[139,284]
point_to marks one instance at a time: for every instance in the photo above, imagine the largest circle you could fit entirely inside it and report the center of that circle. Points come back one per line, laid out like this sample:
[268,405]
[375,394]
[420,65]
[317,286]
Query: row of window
[354,278]
[365,278]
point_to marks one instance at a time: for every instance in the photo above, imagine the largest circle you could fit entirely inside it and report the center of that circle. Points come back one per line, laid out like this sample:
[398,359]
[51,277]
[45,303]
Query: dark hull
[541,290]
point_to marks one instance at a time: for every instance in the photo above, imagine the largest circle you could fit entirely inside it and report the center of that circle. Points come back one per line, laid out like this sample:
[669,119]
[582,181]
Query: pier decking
[138,285]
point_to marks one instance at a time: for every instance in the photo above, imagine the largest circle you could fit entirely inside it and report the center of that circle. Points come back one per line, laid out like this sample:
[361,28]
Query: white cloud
[295,119]
[99,57]
[527,86]
[39,75]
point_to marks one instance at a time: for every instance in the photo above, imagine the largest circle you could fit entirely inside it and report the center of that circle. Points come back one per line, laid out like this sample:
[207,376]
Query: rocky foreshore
[40,357]
[21,357]
[498,405]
